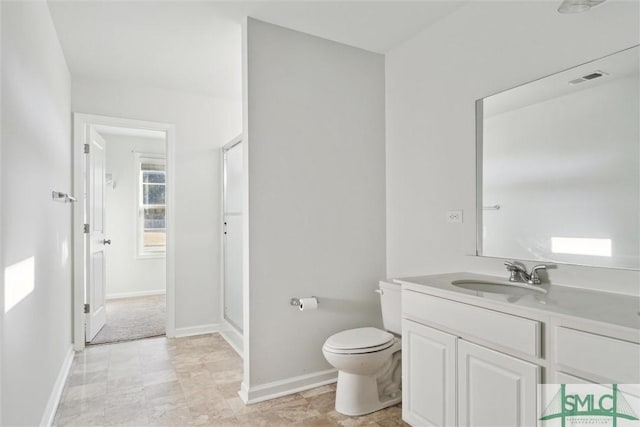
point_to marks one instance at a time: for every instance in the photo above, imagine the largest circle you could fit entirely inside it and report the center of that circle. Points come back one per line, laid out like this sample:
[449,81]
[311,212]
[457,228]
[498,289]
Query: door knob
[106,242]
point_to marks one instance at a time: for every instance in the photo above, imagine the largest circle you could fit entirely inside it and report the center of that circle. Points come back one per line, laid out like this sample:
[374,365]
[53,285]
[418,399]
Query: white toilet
[369,360]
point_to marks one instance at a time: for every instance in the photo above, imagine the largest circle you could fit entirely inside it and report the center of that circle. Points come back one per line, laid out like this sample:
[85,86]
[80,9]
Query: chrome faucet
[519,274]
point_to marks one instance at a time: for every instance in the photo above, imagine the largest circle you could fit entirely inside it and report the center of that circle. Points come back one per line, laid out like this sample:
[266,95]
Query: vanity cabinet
[475,359]
[448,381]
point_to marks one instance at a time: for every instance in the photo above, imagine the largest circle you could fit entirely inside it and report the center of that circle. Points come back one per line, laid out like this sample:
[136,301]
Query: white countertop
[603,307]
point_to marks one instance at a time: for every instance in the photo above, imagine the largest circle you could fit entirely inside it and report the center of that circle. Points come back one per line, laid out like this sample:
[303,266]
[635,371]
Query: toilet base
[358,395]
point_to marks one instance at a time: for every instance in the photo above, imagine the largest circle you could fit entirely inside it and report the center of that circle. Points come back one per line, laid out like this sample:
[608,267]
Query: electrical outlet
[454,216]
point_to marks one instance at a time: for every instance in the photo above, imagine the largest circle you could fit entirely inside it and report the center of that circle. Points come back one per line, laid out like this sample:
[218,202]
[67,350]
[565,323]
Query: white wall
[432,82]
[203,124]
[128,275]
[315,150]
[36,244]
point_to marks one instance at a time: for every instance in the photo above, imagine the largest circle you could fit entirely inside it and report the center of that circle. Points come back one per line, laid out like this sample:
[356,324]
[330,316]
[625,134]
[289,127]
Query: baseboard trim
[288,386]
[197,330]
[54,398]
[232,337]
[136,294]
[243,393]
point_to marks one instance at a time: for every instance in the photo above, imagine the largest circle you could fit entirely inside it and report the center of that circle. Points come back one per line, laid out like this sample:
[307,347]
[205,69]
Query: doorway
[123,252]
[135,230]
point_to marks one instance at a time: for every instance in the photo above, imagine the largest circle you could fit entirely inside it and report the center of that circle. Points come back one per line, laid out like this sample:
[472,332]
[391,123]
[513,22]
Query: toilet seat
[359,341]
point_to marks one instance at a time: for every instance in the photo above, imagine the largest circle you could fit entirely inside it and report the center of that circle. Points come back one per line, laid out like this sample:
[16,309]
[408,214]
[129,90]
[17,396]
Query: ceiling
[196,46]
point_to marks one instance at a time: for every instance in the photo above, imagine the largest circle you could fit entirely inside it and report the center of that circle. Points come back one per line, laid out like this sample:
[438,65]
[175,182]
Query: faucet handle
[512,266]
[534,277]
[516,272]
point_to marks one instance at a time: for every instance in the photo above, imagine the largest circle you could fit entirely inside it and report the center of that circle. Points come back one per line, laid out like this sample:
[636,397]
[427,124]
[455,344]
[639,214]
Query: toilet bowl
[369,360]
[369,369]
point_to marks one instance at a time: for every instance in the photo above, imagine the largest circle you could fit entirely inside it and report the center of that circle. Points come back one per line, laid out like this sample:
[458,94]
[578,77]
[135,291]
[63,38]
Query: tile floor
[186,382]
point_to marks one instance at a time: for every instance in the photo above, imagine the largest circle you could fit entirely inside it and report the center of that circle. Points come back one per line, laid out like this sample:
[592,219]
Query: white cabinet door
[495,389]
[428,376]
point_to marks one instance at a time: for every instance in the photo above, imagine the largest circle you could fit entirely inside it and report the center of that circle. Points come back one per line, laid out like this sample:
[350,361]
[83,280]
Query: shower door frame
[240,331]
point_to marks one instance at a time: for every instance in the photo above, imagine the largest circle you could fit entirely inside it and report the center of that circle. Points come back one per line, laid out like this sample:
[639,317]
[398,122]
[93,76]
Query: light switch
[454,216]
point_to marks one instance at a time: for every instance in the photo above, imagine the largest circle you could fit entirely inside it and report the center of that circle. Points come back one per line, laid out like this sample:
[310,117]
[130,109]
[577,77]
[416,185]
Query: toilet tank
[390,304]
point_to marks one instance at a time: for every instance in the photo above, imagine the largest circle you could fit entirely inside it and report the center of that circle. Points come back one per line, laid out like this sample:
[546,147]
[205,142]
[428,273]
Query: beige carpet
[133,318]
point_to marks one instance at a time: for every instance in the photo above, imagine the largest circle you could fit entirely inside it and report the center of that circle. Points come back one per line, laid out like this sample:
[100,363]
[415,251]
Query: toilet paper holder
[296,301]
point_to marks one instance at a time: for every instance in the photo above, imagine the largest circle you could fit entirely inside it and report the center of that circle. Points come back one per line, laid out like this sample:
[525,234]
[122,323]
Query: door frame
[81,122]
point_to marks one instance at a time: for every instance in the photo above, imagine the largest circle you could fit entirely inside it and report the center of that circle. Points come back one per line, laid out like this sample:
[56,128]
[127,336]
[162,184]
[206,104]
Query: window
[151,230]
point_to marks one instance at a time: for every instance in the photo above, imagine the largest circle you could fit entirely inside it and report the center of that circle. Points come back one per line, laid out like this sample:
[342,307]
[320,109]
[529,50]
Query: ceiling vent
[590,76]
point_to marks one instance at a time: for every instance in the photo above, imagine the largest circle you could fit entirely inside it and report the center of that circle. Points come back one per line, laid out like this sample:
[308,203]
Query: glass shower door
[233,235]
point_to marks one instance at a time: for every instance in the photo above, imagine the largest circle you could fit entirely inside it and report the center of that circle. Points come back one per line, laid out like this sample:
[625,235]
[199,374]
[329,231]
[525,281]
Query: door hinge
[87,308]
[86,228]
[86,148]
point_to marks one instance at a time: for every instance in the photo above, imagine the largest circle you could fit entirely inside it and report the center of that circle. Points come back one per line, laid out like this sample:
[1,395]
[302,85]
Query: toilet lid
[367,350]
[360,338]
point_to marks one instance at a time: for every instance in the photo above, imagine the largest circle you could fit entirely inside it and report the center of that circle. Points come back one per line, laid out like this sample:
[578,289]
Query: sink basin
[507,288]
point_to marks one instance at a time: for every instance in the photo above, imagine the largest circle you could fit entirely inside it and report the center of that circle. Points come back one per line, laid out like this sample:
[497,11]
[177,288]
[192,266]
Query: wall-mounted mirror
[559,167]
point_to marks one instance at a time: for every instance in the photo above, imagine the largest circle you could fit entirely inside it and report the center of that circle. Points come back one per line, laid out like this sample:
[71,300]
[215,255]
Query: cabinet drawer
[612,359]
[517,333]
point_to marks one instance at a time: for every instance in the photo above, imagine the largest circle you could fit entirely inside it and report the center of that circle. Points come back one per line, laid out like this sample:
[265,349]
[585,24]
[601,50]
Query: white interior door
[95,309]
[233,235]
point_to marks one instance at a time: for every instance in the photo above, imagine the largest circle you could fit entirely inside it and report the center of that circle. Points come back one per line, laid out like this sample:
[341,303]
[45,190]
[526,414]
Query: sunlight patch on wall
[19,281]
[64,252]
[581,246]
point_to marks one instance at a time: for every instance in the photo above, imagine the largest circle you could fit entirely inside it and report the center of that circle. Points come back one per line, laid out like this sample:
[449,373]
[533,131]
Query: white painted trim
[287,386]
[246,248]
[243,393]
[170,152]
[197,330]
[119,295]
[54,398]
[221,231]
[234,141]
[232,337]
[80,124]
